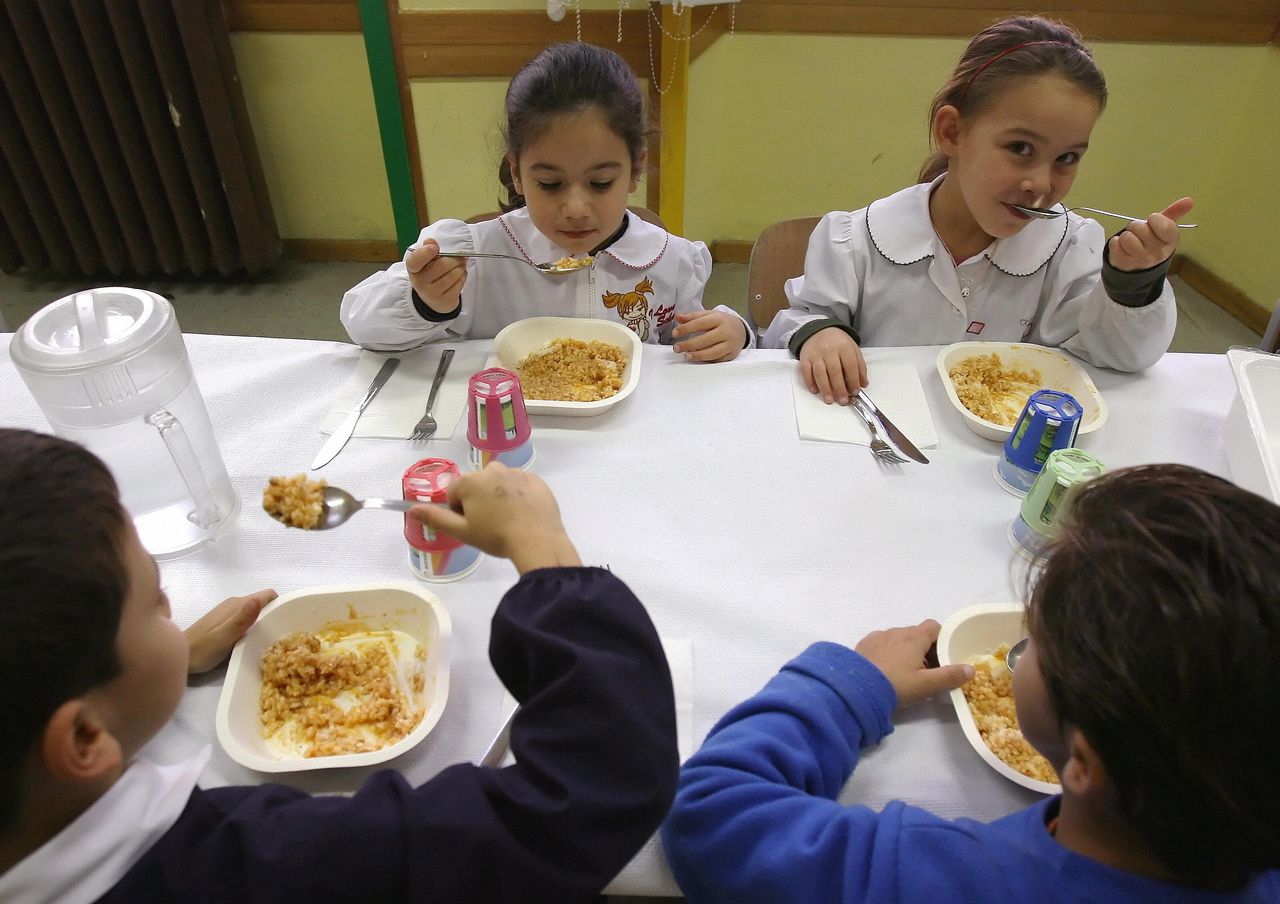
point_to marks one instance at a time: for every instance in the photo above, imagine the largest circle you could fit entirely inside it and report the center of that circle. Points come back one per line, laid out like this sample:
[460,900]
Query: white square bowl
[1251,433]
[401,606]
[1057,370]
[976,631]
[518,339]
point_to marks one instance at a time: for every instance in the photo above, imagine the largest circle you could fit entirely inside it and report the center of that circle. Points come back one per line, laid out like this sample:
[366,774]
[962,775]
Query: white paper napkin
[397,408]
[680,660]
[897,392]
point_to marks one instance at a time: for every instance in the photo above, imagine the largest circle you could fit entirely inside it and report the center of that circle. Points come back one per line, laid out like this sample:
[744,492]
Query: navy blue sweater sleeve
[595,743]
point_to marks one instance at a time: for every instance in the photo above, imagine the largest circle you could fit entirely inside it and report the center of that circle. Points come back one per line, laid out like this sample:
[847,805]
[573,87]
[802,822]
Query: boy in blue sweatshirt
[91,667]
[1150,685]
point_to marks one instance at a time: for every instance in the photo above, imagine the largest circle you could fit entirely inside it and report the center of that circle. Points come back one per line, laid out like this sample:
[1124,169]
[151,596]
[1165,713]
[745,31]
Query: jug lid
[90,328]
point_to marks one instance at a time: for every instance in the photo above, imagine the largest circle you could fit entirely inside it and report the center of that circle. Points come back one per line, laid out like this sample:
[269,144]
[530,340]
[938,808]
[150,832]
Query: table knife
[898,438]
[502,741]
[333,445]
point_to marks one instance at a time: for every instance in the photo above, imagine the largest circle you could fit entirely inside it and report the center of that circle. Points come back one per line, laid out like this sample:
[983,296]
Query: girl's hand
[507,513]
[437,280]
[832,365]
[900,654]
[211,638]
[1145,243]
[709,335]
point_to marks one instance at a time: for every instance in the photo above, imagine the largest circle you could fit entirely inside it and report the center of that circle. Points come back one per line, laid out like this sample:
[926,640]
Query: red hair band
[1005,52]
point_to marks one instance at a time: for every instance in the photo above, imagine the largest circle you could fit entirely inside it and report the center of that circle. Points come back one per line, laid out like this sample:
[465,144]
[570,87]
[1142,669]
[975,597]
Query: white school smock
[95,850]
[883,271]
[642,281]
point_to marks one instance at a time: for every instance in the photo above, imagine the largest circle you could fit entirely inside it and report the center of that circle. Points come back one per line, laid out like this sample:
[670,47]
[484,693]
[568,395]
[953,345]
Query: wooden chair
[1271,338]
[643,213]
[648,216]
[776,256]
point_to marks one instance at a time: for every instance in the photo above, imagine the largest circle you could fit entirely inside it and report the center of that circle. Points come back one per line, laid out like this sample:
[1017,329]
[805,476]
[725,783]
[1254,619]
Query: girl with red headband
[952,258]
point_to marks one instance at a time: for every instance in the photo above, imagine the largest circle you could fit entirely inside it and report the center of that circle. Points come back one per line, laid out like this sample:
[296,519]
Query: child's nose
[576,204]
[1038,182]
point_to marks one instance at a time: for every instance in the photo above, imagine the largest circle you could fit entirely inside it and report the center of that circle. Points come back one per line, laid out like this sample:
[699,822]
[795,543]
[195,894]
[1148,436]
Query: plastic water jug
[110,371]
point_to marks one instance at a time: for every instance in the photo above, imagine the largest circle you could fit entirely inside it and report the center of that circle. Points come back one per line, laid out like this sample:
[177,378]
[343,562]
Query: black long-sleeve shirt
[595,744]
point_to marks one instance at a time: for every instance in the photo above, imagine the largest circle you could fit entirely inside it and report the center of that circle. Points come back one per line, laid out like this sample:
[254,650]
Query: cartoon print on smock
[632,307]
[634,310]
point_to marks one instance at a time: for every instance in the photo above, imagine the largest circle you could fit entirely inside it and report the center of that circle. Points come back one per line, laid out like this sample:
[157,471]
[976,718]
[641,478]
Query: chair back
[648,216]
[643,213]
[776,256]
[1271,338]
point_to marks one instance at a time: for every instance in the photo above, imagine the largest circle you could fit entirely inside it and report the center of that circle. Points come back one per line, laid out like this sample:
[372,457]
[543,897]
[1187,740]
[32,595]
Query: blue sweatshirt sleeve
[595,744]
[756,817]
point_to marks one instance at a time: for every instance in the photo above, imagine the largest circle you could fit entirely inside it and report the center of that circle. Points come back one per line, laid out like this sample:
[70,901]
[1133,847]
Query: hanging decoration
[556,11]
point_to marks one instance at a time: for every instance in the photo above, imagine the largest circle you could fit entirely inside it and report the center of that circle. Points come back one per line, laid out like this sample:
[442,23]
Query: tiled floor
[300,301]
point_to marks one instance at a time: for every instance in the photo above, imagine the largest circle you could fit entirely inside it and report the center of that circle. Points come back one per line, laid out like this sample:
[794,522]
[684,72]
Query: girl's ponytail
[934,167]
[514,199]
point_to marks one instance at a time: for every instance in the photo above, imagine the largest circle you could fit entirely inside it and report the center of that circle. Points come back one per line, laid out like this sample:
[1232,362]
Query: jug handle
[87,321]
[175,440]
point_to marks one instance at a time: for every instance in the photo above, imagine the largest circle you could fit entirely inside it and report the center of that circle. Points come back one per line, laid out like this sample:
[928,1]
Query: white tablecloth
[696,491]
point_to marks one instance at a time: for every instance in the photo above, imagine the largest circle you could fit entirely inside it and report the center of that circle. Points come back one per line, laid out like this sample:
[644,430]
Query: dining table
[745,542]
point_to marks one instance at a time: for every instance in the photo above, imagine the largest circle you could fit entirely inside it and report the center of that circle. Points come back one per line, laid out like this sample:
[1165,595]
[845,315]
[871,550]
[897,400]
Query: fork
[426,427]
[879,448]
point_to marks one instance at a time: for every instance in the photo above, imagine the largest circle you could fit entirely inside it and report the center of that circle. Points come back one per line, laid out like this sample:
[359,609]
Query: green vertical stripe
[386,101]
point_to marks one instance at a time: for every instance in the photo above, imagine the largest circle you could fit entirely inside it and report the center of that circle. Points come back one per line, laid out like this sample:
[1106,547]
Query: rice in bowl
[990,697]
[992,391]
[572,370]
[342,689]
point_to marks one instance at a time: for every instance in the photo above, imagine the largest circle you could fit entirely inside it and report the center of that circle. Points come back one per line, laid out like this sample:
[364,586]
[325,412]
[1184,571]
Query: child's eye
[549,186]
[1070,158]
[602,186]
[1021,148]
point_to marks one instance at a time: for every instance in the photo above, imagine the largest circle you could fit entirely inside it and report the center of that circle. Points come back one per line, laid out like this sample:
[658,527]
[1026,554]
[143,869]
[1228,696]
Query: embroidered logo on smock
[976,327]
[632,307]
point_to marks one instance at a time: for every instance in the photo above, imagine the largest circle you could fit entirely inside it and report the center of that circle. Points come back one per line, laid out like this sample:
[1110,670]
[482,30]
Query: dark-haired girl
[575,136]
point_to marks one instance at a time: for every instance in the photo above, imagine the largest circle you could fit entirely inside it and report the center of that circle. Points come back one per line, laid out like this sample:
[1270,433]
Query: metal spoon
[1015,652]
[339,505]
[556,267]
[1049,213]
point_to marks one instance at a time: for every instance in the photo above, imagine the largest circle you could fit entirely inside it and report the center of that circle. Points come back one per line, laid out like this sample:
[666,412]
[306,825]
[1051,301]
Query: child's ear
[76,745]
[515,173]
[946,129]
[1084,773]
[638,168]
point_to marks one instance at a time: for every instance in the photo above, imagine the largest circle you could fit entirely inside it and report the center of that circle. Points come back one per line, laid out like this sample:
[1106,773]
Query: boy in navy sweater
[1150,685]
[91,667]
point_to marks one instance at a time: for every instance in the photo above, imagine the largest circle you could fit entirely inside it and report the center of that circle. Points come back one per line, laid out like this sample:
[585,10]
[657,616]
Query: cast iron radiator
[125,144]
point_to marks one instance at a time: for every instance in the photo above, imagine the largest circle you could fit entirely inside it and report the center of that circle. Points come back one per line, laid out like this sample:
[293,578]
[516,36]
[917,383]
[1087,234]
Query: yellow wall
[311,106]
[459,138]
[1240,242]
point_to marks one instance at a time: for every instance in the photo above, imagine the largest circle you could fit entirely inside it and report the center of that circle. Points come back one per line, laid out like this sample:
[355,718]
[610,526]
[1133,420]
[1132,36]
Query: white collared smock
[884,272]
[642,280]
